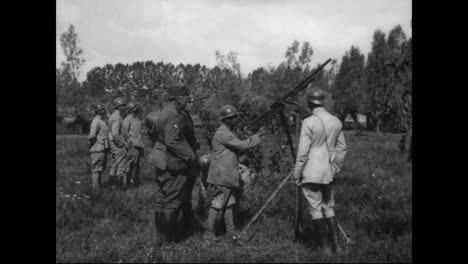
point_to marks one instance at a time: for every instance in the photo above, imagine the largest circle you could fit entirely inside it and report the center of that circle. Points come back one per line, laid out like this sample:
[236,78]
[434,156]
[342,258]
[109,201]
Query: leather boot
[158,227]
[170,224]
[333,235]
[322,236]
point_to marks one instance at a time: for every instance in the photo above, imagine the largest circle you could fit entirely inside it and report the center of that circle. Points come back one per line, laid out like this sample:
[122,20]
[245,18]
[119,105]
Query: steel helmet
[98,107]
[131,106]
[228,111]
[204,161]
[119,101]
[316,96]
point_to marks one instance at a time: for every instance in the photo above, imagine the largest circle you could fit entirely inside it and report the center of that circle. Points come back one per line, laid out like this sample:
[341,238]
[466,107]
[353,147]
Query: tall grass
[373,205]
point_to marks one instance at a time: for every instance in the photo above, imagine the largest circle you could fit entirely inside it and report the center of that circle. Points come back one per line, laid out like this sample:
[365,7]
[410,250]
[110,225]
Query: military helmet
[228,111]
[98,107]
[131,106]
[204,161]
[316,96]
[119,101]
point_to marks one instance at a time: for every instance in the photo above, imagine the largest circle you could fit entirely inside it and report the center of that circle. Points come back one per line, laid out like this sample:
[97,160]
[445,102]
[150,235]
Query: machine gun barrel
[280,103]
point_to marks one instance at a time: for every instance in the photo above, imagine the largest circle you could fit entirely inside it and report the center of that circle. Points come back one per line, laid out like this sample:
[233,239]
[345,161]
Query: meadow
[373,205]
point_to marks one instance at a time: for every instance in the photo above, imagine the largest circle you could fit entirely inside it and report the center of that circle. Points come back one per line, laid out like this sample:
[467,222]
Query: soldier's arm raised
[174,144]
[305,143]
[228,139]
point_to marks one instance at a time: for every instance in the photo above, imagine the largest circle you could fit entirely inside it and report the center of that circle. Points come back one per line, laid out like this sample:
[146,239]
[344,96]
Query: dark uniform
[189,134]
[172,157]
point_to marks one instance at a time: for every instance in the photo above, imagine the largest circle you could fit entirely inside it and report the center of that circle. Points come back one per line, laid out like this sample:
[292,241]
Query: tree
[302,60]
[73,53]
[348,91]
[376,85]
[69,95]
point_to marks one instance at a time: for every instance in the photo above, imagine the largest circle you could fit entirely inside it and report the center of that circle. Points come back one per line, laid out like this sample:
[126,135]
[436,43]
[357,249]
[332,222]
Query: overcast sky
[190,31]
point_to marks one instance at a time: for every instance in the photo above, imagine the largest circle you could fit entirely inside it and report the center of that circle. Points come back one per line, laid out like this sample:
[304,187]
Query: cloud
[178,31]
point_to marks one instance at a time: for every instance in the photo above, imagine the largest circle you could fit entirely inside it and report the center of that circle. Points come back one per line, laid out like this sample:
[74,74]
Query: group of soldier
[176,164]
[122,138]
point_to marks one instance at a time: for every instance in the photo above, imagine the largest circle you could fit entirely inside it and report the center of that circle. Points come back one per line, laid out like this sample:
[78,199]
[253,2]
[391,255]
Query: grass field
[373,196]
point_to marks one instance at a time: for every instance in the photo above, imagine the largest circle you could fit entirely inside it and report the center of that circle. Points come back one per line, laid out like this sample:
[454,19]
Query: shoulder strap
[128,128]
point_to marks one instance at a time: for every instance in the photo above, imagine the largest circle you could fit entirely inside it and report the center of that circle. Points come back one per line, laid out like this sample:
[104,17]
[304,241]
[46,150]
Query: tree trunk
[377,126]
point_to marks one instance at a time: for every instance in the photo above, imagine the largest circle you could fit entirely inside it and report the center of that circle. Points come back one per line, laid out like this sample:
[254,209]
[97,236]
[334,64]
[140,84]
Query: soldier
[132,128]
[320,155]
[185,216]
[173,159]
[99,145]
[223,172]
[118,144]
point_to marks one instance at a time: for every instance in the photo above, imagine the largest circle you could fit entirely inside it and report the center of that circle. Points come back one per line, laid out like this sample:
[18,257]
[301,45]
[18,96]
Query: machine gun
[278,107]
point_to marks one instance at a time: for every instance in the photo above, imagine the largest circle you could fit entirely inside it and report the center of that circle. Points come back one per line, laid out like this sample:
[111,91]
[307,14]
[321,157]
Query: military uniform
[172,158]
[320,155]
[189,134]
[224,173]
[316,163]
[119,145]
[132,128]
[100,133]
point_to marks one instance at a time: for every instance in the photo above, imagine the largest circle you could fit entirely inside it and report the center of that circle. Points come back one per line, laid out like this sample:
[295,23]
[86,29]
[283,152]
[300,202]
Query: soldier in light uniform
[173,158]
[118,144]
[223,172]
[132,128]
[322,149]
[99,145]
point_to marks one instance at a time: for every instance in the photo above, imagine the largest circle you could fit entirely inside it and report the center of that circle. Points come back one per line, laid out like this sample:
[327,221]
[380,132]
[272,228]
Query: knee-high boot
[322,236]
[158,227]
[170,224]
[333,234]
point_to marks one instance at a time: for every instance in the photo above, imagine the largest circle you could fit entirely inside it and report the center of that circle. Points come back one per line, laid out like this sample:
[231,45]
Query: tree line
[378,86]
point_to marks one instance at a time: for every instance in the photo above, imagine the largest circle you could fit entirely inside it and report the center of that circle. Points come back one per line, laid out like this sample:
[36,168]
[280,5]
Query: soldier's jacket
[315,162]
[99,131]
[132,129]
[117,134]
[225,158]
[171,150]
[188,129]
